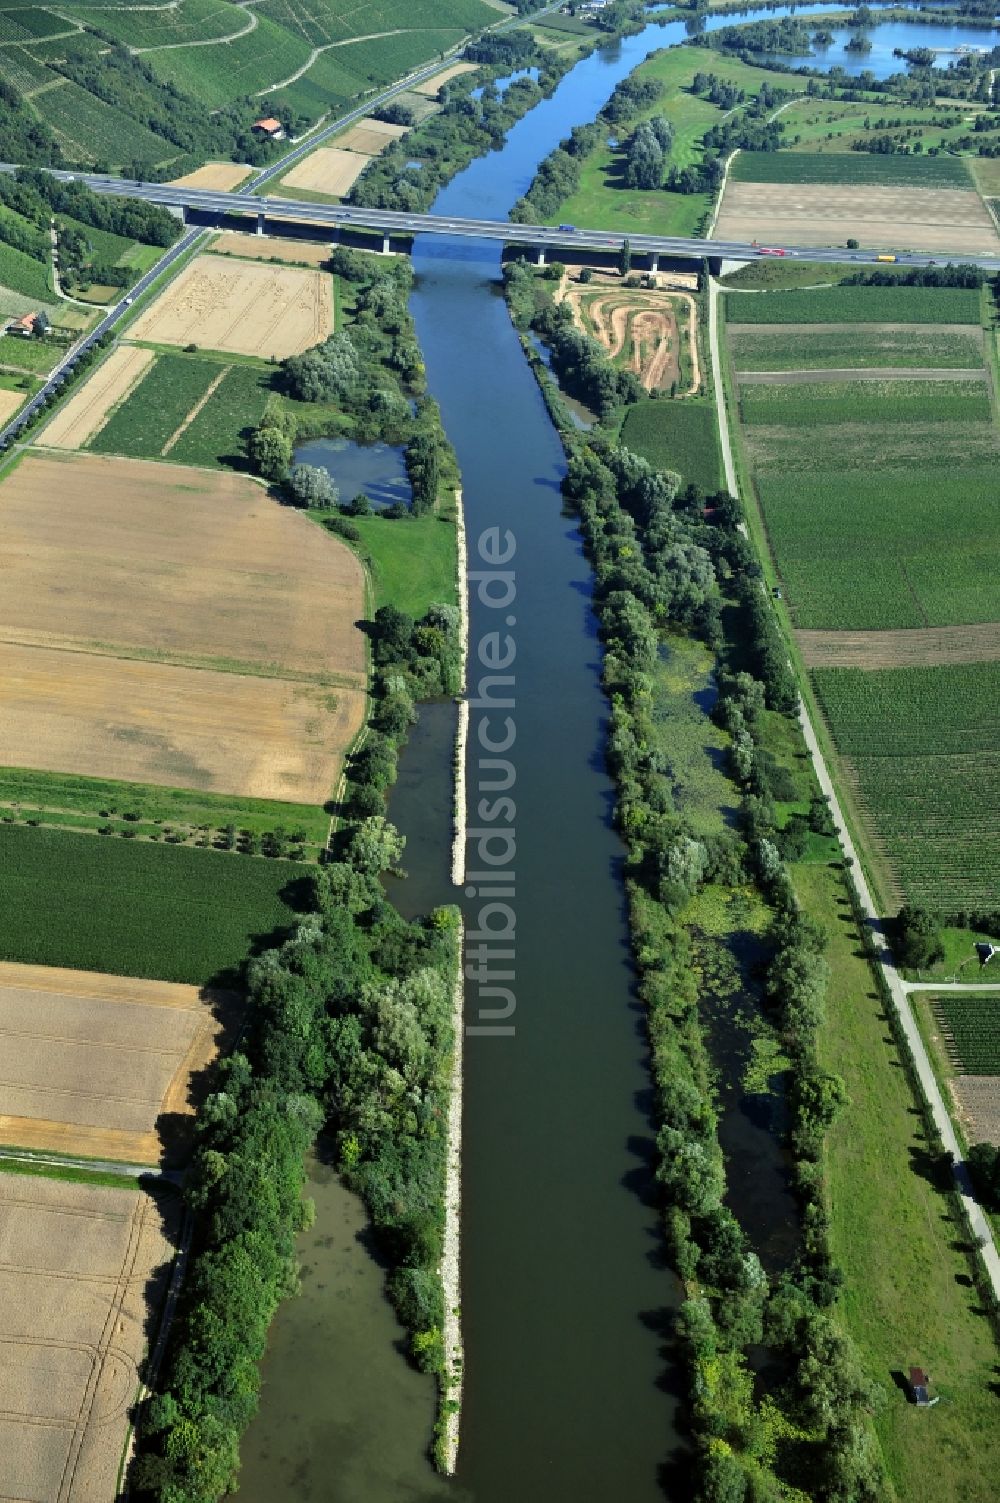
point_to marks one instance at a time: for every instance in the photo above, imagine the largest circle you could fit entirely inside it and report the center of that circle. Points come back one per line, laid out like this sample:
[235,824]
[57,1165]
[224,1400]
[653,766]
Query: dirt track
[644,322]
[930,647]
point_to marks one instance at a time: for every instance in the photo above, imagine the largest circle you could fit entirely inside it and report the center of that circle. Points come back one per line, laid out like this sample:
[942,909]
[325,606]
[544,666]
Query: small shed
[920,1388]
[270,128]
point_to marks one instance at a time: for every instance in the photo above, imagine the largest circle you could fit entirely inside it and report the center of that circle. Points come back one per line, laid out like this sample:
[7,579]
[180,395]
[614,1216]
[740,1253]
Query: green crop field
[36,355]
[850,169]
[89,803]
[191,21]
[412,560]
[23,275]
[335,21]
[156,407]
[216,75]
[775,274]
[971,1024]
[856,305]
[923,746]
[136,909]
[676,435]
[90,130]
[822,403]
[871,551]
[855,348]
[218,434]
[845,449]
[31,23]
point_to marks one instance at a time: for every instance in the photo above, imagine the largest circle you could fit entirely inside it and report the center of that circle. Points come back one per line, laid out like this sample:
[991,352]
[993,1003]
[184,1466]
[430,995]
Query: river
[570,1393]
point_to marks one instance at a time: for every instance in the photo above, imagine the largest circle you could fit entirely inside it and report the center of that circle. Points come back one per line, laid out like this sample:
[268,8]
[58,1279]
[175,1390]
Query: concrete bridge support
[540,256]
[261,215]
[385,244]
[654,260]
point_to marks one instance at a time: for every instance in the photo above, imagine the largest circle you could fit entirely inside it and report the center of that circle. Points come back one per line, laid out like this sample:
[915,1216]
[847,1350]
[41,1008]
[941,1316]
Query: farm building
[271,129]
[29,325]
[920,1385]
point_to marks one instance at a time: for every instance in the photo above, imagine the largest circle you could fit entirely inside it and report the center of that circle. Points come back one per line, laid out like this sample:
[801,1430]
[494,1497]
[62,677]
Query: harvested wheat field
[893,218]
[371,136]
[235,306]
[271,247]
[918,647]
[328,169]
[430,86]
[175,626]
[640,326]
[92,1062]
[88,410]
[83,1275]
[10,401]
[221,176]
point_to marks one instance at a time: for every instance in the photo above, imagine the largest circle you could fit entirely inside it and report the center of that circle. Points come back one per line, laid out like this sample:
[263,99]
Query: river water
[570,1392]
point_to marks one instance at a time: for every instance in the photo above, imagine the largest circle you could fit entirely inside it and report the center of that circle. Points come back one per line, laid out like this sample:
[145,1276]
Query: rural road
[95,1166]
[950,986]
[898,989]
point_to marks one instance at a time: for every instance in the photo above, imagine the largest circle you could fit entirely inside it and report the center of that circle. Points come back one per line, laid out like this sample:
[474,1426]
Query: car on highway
[771,250]
[569,228]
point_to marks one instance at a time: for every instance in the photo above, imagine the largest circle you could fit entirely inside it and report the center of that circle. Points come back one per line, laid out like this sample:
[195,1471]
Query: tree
[984,1167]
[918,937]
[310,486]
[376,846]
[327,372]
[625,257]
[270,450]
[644,159]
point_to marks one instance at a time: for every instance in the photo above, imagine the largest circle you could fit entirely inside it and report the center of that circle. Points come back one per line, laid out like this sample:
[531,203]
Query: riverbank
[462,730]
[453,1369]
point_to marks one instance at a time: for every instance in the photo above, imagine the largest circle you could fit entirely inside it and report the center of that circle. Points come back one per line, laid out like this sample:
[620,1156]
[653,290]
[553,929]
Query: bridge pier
[654,260]
[261,214]
[540,256]
[385,244]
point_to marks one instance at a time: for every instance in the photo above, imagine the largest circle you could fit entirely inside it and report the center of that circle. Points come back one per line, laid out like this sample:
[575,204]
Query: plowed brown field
[235,306]
[266,247]
[92,1062]
[371,136]
[82,1281]
[954,219]
[176,627]
[927,647]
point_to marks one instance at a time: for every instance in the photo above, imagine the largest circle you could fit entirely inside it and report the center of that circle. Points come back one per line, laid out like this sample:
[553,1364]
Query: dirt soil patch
[221,176]
[931,647]
[951,219]
[431,85]
[91,1062]
[271,247]
[175,626]
[977,1106]
[82,1282]
[641,326]
[224,304]
[328,169]
[858,373]
[371,136]
[87,411]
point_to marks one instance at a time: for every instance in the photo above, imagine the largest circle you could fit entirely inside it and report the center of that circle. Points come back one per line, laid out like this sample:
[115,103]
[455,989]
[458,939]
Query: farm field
[94,1062]
[887,218]
[223,176]
[35,355]
[87,410]
[84,1276]
[151,416]
[10,401]
[919,747]
[679,436]
[26,279]
[412,560]
[856,305]
[270,247]
[430,86]
[928,647]
[878,1177]
[135,909]
[855,169]
[836,347]
[818,403]
[964,1033]
[825,126]
[371,136]
[258,698]
[237,306]
[329,170]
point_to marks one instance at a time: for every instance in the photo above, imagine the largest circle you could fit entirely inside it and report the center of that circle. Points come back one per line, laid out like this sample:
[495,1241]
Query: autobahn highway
[211,203]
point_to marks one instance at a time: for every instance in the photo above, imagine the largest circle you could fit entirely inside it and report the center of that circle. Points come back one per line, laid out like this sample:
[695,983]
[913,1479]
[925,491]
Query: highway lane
[391,221]
[56,379]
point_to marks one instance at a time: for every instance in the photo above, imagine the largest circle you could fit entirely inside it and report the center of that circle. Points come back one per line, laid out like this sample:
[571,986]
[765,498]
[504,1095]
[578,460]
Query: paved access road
[898,988]
[69,360]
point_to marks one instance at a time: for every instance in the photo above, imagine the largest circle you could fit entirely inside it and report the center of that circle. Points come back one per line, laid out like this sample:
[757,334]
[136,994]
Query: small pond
[503,84]
[379,470]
